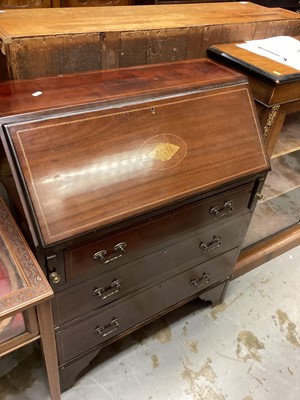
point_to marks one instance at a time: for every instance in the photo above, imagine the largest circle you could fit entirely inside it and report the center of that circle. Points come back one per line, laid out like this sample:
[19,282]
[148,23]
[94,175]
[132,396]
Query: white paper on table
[283,49]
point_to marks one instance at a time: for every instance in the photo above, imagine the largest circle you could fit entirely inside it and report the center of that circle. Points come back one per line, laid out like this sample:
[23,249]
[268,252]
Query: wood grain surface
[43,22]
[156,149]
[51,42]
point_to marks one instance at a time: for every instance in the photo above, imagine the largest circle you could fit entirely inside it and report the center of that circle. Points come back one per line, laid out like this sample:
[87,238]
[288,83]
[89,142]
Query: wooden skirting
[252,258]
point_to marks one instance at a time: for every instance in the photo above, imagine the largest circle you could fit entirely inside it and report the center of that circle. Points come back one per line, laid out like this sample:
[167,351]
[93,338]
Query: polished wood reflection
[123,147]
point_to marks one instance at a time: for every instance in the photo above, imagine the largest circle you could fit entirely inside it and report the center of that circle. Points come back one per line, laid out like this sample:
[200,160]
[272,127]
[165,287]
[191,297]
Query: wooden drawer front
[148,236]
[116,319]
[109,286]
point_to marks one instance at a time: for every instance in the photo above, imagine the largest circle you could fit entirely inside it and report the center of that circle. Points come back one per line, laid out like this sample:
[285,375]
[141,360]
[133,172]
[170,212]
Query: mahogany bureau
[137,185]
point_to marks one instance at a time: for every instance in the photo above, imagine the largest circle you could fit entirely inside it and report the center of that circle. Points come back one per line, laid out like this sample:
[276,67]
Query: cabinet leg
[69,372]
[49,347]
[215,295]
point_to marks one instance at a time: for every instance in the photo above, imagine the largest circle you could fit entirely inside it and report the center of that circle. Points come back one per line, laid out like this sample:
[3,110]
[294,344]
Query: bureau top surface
[43,22]
[95,88]
[149,137]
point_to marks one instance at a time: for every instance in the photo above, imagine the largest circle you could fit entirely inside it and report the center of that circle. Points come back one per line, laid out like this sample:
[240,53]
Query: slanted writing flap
[88,170]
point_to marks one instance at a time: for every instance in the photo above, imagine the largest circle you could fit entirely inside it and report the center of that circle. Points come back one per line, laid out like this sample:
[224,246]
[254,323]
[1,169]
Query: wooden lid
[134,154]
[60,21]
[109,86]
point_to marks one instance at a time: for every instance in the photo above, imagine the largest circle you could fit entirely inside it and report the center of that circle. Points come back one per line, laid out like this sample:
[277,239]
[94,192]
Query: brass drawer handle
[221,212]
[118,248]
[205,278]
[104,293]
[213,245]
[259,196]
[100,255]
[108,329]
[54,277]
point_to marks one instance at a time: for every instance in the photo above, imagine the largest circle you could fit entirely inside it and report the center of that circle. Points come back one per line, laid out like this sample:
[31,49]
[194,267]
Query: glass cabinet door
[20,326]
[279,207]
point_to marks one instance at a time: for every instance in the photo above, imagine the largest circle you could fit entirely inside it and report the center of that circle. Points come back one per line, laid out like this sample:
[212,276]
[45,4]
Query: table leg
[44,312]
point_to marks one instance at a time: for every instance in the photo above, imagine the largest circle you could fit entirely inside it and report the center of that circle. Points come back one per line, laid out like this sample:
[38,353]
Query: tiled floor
[248,348]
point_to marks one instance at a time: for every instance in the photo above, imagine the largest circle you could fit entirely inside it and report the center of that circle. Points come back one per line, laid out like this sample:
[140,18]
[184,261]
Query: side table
[25,308]
[275,86]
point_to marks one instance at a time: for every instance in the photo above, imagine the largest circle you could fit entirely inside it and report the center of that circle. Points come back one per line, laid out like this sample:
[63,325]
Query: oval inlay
[163,151]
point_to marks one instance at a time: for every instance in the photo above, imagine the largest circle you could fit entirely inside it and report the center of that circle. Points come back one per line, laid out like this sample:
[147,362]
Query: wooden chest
[49,42]
[138,186]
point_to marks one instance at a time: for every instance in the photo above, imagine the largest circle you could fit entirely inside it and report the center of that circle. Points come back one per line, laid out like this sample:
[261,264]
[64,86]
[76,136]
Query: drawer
[118,249]
[203,244]
[138,308]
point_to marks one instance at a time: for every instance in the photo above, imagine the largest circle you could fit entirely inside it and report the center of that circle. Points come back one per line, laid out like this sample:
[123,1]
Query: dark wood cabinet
[288,4]
[138,186]
[111,321]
